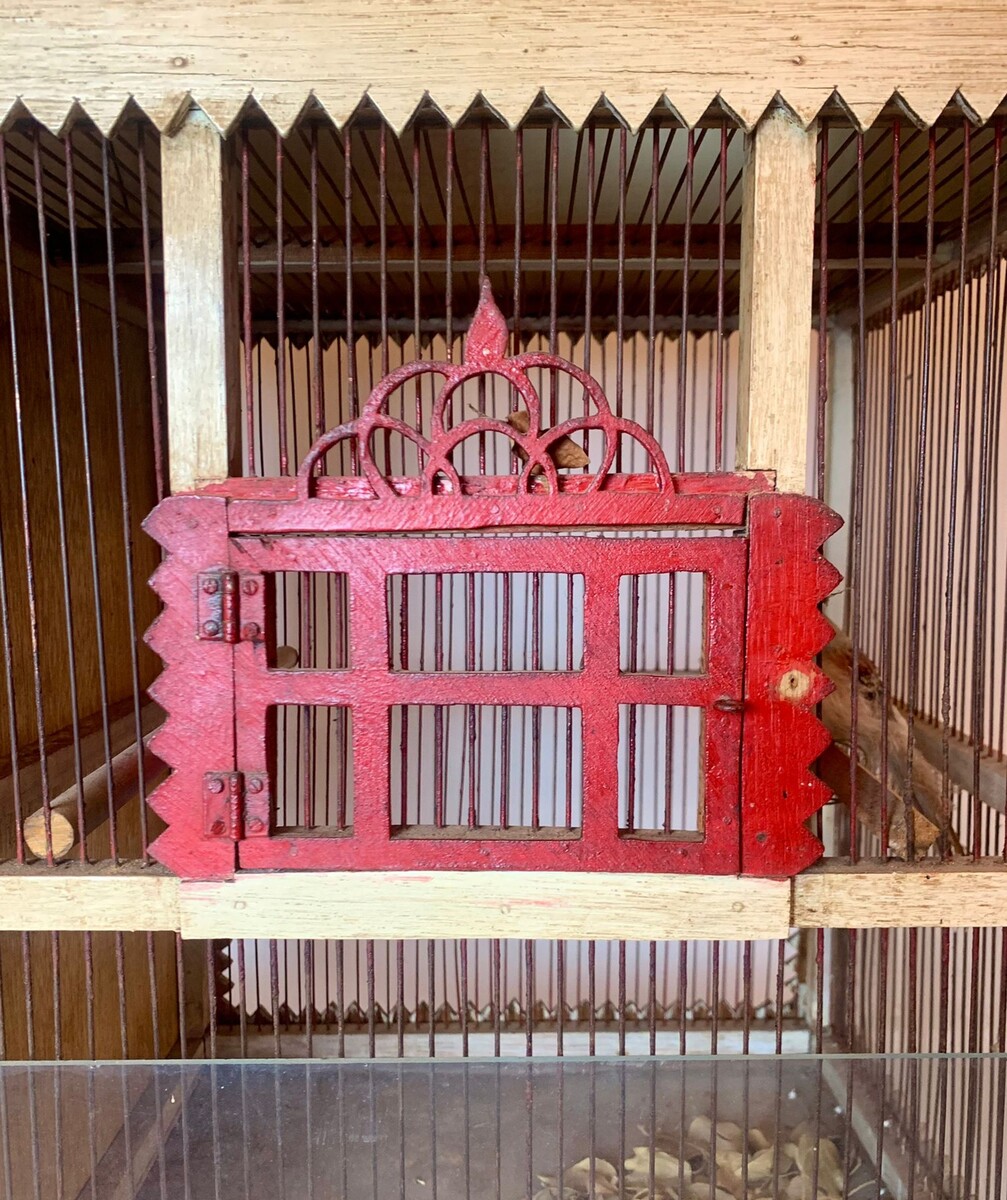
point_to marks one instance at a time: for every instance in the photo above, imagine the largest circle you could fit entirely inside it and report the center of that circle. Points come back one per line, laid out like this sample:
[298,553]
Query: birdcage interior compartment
[377,724]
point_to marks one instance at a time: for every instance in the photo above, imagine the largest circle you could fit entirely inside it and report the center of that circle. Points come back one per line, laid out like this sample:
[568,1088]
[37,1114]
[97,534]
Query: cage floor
[503,1130]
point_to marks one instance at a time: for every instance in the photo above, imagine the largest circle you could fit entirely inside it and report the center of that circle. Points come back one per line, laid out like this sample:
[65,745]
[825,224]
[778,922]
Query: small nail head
[215,786]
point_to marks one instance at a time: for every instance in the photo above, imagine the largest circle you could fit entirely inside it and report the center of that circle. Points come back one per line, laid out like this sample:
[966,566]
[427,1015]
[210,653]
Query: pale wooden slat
[161,52]
[777,261]
[503,904]
[200,305]
[85,899]
[535,904]
[878,897]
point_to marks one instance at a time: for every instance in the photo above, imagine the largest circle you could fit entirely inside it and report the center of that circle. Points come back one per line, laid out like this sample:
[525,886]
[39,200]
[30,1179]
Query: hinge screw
[255,825]
[211,628]
[250,631]
[210,586]
[217,828]
[215,786]
[250,587]
[255,785]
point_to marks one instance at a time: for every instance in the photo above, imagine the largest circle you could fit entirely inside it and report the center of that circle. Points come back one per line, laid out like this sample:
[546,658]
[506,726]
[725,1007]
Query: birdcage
[421,523]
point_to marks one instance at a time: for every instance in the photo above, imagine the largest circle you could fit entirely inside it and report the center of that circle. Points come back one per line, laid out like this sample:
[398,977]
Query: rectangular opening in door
[486,621]
[662,621]
[310,620]
[485,769]
[313,775]
[661,769]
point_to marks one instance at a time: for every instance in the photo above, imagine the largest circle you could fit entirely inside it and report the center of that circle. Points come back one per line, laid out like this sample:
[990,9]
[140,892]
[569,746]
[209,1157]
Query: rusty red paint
[225,543]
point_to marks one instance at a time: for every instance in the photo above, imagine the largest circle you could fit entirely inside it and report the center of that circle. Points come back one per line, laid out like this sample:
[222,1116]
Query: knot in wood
[794,685]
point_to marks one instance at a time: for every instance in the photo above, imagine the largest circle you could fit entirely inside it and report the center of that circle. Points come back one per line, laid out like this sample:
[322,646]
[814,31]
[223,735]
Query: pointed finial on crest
[487,336]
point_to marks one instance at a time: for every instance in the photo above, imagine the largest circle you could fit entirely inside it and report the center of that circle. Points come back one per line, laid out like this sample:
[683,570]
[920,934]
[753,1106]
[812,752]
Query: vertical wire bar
[157,421]
[12,730]
[29,1010]
[351,344]
[99,621]
[718,464]
[690,153]
[120,976]
[889,547]
[620,301]
[823,317]
[920,481]
[126,511]
[983,506]
[57,1055]
[26,534]
[5,1138]
[952,519]
[64,557]
[317,373]
[281,313]
[246,303]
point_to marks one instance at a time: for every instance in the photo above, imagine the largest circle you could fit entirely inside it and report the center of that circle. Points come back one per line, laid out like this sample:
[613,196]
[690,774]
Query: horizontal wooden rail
[503,904]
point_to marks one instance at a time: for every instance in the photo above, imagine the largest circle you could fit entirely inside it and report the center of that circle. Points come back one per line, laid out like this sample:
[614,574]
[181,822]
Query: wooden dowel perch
[921,794]
[834,769]
[929,740]
[64,809]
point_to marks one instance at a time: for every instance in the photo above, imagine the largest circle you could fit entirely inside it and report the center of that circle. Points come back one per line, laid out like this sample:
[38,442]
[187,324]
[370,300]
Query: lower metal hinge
[236,805]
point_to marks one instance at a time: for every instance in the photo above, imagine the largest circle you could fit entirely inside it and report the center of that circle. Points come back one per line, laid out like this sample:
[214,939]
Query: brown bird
[564,453]
[921,795]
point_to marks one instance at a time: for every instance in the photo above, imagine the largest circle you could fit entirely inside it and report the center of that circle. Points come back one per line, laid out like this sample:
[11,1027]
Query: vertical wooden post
[777,261]
[200,303]
[201,349]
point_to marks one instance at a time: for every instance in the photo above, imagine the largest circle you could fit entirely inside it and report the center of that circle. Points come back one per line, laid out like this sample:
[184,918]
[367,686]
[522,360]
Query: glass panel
[785,1126]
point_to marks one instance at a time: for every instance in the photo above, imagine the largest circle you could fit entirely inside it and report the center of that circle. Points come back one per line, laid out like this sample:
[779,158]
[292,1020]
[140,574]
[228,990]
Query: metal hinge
[218,617]
[236,805]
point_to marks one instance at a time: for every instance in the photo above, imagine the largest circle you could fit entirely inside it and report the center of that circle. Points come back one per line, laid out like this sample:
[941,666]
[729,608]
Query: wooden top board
[55,54]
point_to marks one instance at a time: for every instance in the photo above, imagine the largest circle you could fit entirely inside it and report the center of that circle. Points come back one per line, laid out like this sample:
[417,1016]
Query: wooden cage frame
[775,69]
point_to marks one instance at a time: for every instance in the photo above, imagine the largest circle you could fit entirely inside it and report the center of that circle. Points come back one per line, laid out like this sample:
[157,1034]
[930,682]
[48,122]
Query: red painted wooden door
[232,550]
